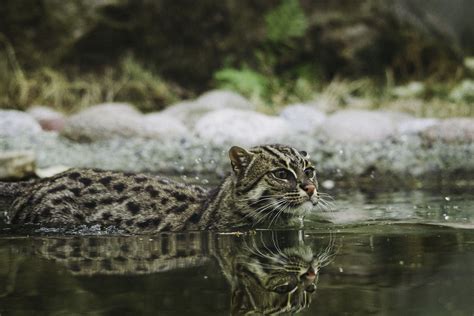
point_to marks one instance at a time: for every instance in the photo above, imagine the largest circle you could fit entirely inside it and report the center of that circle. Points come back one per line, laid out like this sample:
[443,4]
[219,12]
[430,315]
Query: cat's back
[134,202]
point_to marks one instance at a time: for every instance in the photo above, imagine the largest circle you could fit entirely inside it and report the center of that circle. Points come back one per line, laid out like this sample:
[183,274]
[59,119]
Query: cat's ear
[240,159]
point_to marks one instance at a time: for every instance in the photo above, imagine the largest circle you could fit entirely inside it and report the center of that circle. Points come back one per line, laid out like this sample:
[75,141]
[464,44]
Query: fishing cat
[267,272]
[268,184]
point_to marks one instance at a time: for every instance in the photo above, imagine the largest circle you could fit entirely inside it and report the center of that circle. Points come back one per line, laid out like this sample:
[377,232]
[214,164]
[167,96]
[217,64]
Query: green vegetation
[270,84]
[70,55]
[286,21]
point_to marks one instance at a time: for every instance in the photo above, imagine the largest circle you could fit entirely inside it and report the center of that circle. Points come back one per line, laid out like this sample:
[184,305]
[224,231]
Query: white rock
[303,118]
[187,112]
[220,99]
[190,111]
[452,130]
[16,123]
[415,125]
[49,119]
[50,171]
[15,165]
[358,126]
[104,121]
[240,127]
[396,116]
[165,125]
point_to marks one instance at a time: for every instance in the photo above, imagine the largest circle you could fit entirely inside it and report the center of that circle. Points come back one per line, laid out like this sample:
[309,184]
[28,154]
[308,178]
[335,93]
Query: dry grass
[128,82]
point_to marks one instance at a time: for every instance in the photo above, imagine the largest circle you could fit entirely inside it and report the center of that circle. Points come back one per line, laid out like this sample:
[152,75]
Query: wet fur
[251,196]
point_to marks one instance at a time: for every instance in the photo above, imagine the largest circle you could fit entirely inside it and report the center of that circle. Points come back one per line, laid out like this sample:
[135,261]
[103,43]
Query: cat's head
[273,180]
[275,281]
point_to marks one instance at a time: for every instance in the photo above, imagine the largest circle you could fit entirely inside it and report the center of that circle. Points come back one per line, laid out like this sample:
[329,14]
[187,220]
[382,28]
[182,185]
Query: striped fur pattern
[269,184]
[271,276]
[265,189]
[269,272]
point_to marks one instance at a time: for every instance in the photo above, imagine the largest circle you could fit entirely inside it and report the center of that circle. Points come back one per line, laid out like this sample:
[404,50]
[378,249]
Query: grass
[421,99]
[129,81]
[70,91]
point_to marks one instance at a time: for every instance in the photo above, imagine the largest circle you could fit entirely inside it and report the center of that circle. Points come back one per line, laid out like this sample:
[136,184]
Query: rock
[16,165]
[406,156]
[415,125]
[104,121]
[240,127]
[14,123]
[452,130]
[49,119]
[189,112]
[50,171]
[396,116]
[303,118]
[222,99]
[165,126]
[358,126]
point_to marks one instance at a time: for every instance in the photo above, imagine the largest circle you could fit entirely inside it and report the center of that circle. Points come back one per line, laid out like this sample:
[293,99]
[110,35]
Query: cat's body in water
[269,183]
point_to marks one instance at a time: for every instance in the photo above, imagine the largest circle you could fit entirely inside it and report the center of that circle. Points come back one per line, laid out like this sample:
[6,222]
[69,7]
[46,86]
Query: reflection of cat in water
[269,272]
[269,279]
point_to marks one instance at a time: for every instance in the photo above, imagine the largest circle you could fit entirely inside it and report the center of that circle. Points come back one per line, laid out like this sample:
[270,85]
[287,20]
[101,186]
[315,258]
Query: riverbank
[192,138]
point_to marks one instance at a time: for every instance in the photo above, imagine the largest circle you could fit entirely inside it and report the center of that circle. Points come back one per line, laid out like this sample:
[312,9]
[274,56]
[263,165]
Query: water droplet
[205,181]
[447,198]
[446,216]
[196,178]
[328,184]
[401,262]
[341,269]
[341,151]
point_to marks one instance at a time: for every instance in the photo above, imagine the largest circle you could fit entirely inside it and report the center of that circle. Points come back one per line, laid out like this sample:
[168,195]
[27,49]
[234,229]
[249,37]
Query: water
[387,253]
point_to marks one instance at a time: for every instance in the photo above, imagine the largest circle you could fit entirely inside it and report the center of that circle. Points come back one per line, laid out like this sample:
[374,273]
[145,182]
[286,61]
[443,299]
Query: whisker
[258,211]
[275,243]
[269,213]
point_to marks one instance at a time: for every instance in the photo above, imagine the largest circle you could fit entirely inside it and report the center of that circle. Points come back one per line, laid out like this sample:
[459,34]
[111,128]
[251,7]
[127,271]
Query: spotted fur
[269,272]
[269,184]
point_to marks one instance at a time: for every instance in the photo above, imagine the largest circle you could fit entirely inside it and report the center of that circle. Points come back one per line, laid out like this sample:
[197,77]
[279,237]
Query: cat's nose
[310,274]
[309,188]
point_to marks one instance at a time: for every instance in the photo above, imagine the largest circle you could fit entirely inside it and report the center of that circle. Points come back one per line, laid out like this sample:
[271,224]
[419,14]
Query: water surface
[406,252]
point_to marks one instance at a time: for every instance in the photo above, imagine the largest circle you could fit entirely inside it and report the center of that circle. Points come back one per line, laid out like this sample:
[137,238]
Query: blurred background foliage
[70,54]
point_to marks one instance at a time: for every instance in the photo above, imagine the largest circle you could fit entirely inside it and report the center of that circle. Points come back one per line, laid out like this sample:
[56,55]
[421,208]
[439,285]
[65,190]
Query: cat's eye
[310,172]
[282,174]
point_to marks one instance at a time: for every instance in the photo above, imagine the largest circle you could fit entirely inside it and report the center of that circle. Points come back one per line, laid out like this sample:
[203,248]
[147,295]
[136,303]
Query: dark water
[397,253]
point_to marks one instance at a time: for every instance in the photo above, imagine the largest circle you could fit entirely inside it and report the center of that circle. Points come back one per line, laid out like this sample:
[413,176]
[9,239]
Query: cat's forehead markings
[281,158]
[286,156]
[296,158]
